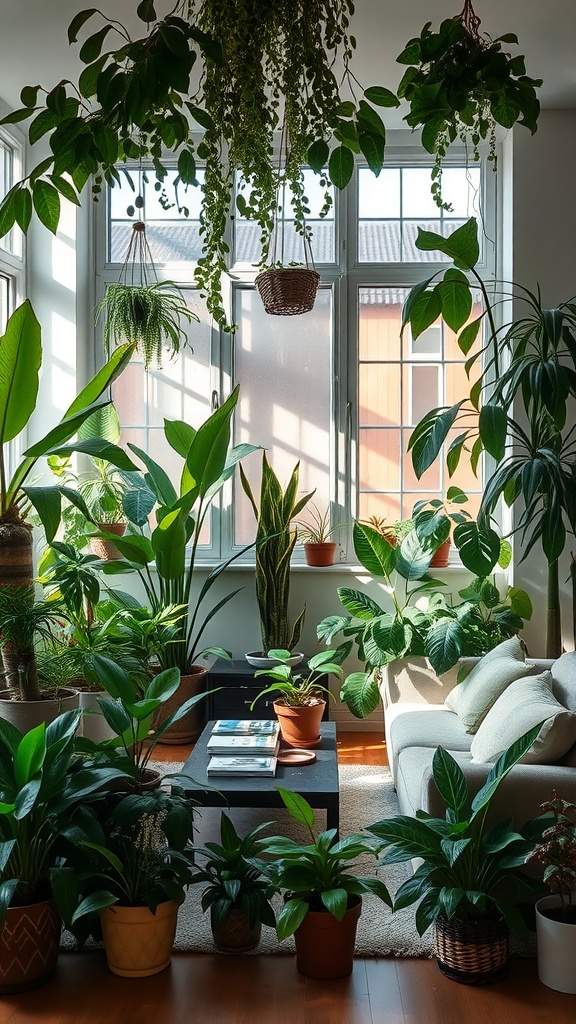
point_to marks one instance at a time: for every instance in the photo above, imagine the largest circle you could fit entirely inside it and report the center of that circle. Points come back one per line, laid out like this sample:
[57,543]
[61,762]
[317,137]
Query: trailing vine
[461,84]
[263,65]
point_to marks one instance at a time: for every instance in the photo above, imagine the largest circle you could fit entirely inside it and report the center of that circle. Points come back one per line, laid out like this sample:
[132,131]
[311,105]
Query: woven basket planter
[472,952]
[288,291]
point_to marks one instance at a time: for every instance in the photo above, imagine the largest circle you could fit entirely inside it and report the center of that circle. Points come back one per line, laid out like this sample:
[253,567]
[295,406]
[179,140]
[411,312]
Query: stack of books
[243,747]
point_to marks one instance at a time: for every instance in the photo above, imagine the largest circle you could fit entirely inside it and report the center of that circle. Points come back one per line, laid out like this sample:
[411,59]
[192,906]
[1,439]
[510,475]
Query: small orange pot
[320,554]
[106,549]
[441,555]
[300,726]
[325,945]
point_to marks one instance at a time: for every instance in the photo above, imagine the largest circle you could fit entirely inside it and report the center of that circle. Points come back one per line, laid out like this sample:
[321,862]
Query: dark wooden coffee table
[317,782]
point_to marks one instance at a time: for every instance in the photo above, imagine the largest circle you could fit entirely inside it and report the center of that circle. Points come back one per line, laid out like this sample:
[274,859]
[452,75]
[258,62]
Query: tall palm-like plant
[275,542]
[22,621]
[521,420]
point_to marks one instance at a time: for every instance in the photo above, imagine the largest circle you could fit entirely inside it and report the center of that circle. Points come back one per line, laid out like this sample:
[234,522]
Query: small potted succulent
[300,704]
[236,892]
[556,913]
[323,901]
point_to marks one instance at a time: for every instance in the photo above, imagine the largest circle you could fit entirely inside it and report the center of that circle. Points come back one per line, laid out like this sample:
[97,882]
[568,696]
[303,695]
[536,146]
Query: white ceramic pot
[94,726]
[27,714]
[258,660]
[556,949]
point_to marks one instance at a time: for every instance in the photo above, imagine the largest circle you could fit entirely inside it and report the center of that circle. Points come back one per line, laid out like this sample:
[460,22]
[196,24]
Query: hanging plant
[460,85]
[141,309]
[263,64]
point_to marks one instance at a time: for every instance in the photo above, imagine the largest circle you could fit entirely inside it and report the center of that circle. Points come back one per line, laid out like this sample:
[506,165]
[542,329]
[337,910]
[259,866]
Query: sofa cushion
[523,705]
[422,725]
[564,680]
[476,694]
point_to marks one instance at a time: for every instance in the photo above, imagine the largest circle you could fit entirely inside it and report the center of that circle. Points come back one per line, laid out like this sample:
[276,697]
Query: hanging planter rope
[288,291]
[142,309]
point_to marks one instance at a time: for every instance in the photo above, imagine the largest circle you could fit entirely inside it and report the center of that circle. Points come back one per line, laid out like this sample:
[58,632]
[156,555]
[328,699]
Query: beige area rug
[366,795]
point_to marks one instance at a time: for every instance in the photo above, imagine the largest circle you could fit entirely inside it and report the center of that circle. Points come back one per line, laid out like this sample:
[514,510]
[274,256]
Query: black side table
[238,690]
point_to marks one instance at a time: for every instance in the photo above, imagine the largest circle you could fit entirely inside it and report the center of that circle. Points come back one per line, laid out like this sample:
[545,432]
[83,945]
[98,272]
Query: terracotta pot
[137,942]
[27,714]
[234,934]
[324,945]
[320,554]
[28,946]
[106,549]
[300,726]
[441,556]
[188,729]
[472,952]
[556,947]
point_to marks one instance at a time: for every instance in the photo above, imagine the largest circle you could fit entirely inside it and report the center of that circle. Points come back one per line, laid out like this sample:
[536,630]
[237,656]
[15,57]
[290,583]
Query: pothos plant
[461,85]
[263,65]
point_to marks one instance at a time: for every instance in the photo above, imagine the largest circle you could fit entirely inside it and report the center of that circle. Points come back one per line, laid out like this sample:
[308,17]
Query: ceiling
[34,47]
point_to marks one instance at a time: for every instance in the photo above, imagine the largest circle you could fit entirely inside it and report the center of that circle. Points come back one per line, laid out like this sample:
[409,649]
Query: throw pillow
[523,705]
[474,696]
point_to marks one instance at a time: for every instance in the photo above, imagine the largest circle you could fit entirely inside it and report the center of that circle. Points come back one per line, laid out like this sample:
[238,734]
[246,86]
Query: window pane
[283,366]
[173,233]
[393,206]
[289,245]
[4,301]
[9,173]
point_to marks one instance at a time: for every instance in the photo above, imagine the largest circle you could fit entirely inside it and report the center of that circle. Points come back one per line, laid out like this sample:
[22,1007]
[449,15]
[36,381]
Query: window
[337,389]
[11,245]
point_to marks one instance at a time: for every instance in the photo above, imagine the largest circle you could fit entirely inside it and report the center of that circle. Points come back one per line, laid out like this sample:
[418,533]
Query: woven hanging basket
[472,952]
[288,291]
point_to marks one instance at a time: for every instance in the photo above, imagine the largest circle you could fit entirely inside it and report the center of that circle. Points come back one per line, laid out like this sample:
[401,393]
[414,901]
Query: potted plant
[323,900]
[556,913]
[133,876]
[275,541]
[315,533]
[164,557]
[239,104]
[23,623]
[516,411]
[301,704]
[460,84]
[423,621]
[237,893]
[41,821]
[469,873]
[20,347]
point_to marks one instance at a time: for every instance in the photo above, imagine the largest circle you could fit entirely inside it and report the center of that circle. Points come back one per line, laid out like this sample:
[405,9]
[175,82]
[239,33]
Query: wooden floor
[219,989]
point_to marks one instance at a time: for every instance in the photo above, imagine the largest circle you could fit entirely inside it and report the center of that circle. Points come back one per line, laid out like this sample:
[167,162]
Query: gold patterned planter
[139,943]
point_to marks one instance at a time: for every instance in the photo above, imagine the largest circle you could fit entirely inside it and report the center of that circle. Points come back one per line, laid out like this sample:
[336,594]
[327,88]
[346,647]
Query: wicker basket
[472,952]
[288,291]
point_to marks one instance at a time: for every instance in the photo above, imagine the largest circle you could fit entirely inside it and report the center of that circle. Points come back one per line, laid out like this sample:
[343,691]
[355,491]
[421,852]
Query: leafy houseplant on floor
[134,875]
[165,557]
[556,914]
[301,703]
[470,874]
[323,900]
[237,893]
[275,541]
[41,822]
[424,621]
[529,368]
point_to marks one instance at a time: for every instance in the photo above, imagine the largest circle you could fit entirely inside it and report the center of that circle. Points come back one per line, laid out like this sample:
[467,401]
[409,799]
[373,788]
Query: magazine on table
[242,765]
[244,745]
[245,727]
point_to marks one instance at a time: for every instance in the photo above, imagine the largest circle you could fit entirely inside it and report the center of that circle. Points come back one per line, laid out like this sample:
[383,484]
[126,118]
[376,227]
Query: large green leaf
[444,644]
[30,755]
[207,453]
[479,547]
[360,692]
[493,427]
[462,245]
[450,780]
[373,551]
[412,558]
[20,361]
[429,435]
[169,543]
[456,298]
[358,604]
[503,766]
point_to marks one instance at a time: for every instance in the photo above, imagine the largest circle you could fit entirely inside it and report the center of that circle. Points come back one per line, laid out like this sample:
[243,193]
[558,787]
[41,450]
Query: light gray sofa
[417,722]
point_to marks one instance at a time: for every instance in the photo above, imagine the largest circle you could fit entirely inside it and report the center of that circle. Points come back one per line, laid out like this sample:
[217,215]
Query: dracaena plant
[317,875]
[469,870]
[516,408]
[135,99]
[423,621]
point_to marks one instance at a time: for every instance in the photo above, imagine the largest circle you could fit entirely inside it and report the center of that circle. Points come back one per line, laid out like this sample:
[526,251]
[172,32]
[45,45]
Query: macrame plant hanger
[138,268]
[287,291]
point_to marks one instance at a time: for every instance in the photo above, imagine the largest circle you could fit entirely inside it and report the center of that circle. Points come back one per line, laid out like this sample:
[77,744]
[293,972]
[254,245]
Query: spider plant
[149,314]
